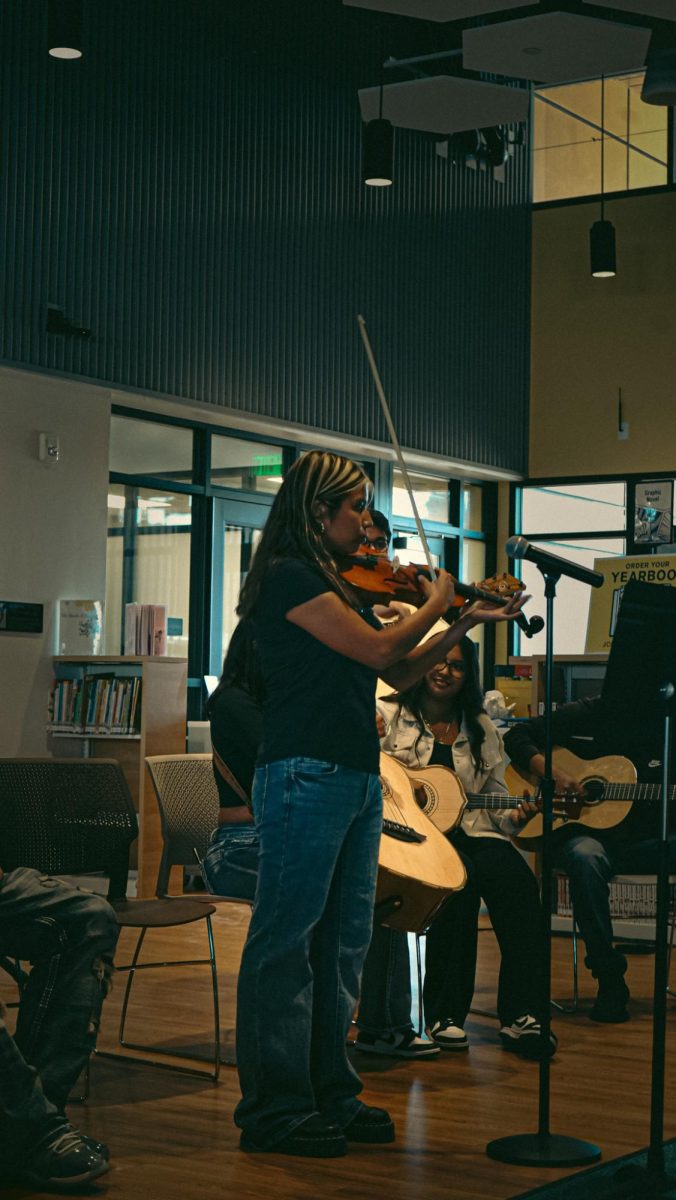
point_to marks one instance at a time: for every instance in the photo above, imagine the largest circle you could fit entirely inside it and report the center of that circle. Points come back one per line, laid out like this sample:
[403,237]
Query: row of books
[145,629]
[104,704]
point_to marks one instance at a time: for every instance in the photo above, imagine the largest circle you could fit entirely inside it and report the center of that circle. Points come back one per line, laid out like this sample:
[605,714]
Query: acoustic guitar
[443,799]
[417,867]
[610,791]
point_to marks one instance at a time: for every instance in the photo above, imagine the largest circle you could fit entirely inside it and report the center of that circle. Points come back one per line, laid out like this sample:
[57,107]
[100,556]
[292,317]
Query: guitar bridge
[403,833]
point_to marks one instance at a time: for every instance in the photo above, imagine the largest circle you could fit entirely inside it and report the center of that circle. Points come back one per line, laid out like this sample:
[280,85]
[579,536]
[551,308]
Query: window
[562,507]
[148,561]
[431,497]
[246,466]
[150,448]
[567,139]
[571,607]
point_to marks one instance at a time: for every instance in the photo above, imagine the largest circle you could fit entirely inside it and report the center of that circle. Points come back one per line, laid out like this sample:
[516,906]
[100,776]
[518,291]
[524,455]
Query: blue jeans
[230,866]
[70,937]
[319,826]
[590,863]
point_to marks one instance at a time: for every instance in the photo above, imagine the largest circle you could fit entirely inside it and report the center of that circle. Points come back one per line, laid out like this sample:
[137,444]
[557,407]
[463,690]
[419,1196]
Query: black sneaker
[62,1160]
[370,1124]
[524,1037]
[449,1036]
[404,1043]
[315,1138]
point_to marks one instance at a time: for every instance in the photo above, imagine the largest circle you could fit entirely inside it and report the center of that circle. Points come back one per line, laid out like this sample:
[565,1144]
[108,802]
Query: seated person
[69,936]
[441,721]
[230,865]
[591,857]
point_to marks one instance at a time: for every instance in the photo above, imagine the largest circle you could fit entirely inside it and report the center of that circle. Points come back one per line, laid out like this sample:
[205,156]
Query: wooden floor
[172,1136]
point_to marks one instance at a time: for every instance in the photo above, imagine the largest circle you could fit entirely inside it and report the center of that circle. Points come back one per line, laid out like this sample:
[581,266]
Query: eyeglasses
[379,543]
[456,666]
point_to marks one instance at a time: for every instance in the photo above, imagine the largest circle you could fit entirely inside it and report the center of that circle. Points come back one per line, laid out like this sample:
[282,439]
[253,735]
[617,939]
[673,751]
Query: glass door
[237,531]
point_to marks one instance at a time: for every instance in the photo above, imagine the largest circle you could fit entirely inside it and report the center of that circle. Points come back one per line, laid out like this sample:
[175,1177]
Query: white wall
[52,531]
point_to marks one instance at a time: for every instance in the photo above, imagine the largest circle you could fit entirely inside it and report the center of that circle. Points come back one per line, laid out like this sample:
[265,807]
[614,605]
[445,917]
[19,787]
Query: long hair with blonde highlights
[293,531]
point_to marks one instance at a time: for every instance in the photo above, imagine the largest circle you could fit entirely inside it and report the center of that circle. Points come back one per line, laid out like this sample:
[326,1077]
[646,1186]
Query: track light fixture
[659,84]
[64,28]
[602,233]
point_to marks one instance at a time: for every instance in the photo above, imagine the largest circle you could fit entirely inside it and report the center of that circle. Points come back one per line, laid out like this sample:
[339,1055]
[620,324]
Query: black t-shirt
[319,704]
[236,724]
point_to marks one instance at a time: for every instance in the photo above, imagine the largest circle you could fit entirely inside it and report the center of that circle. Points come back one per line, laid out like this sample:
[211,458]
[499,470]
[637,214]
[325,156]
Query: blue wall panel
[190,192]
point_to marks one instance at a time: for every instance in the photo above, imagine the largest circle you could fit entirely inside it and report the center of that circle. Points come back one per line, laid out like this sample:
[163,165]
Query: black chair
[75,817]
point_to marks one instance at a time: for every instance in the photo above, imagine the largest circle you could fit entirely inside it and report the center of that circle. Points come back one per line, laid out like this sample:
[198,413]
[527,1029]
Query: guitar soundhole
[594,791]
[429,802]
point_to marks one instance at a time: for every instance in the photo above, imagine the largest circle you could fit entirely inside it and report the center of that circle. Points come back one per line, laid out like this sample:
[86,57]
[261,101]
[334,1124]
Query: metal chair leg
[670,991]
[418,963]
[135,966]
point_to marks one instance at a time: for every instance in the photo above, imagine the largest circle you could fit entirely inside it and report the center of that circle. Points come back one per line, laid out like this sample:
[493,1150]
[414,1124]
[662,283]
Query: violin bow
[395,440]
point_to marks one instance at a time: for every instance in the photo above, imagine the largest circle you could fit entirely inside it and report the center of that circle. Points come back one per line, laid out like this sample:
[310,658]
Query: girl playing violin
[318,809]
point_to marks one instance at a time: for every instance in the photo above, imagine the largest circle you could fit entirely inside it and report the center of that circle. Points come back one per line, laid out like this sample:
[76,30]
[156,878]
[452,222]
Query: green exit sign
[266,464]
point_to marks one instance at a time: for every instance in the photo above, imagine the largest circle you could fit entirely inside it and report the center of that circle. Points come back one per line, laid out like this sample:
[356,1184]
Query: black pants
[497,872]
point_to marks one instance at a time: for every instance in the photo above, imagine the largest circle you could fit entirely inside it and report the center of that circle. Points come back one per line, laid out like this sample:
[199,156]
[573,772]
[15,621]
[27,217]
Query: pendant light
[602,233]
[377,145]
[64,28]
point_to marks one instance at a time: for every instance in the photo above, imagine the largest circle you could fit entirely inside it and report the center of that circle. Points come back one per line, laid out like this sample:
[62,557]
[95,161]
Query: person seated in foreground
[69,936]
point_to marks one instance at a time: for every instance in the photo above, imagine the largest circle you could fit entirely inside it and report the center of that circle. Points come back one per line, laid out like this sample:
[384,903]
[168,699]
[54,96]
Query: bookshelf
[124,708]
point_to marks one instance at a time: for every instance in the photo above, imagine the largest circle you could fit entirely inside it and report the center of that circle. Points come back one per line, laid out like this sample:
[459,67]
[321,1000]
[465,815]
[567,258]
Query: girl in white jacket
[441,720]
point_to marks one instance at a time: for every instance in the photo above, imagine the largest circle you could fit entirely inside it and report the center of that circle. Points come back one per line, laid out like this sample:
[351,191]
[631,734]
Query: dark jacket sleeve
[569,721]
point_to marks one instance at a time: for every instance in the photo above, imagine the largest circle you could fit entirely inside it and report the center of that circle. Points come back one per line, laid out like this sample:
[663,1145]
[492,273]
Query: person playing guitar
[591,857]
[441,720]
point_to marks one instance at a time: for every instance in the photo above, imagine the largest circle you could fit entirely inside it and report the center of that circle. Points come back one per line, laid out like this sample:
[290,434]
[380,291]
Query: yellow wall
[591,336]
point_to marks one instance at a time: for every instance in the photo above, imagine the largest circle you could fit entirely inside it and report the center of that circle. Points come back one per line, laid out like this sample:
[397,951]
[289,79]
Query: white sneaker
[448,1035]
[524,1036]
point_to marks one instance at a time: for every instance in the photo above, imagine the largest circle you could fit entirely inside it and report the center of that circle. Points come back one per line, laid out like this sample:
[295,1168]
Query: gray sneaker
[61,1160]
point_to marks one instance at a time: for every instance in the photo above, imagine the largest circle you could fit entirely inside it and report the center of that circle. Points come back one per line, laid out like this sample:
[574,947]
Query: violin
[378,580]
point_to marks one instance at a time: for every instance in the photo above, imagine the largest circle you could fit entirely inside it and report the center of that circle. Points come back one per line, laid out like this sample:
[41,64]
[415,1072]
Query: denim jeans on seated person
[230,865]
[319,826]
[69,935]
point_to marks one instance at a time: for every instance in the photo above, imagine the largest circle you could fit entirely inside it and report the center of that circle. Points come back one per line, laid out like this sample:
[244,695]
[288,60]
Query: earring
[321,526]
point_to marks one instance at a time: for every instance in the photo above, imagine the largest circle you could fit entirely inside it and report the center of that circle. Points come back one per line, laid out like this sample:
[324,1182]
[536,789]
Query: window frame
[629,479]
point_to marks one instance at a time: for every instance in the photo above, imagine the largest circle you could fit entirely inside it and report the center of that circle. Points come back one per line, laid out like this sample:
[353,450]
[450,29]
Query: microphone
[518,547]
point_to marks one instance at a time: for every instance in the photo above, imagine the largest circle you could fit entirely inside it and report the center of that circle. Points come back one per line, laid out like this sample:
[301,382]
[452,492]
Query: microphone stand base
[543,1150]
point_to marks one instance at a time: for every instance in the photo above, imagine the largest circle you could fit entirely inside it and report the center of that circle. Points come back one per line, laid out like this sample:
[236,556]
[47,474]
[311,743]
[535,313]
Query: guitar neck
[636,791]
[492,800]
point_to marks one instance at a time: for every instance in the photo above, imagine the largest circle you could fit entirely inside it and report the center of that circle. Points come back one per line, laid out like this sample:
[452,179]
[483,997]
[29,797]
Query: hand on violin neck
[481,612]
[439,592]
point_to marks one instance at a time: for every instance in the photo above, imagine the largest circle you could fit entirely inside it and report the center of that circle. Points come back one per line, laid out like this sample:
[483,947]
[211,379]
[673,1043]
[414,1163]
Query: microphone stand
[544,1148]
